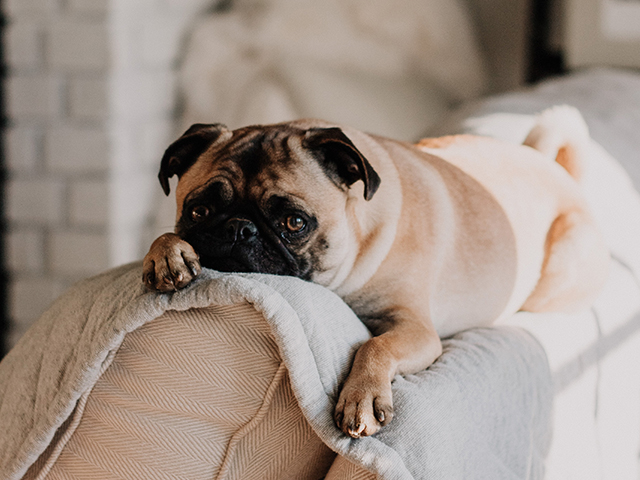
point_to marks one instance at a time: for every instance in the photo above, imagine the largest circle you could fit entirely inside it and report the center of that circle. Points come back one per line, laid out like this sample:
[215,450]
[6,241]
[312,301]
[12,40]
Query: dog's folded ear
[340,157]
[184,152]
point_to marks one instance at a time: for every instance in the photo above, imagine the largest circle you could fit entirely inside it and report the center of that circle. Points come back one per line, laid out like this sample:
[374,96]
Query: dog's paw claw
[362,410]
[357,431]
[383,411]
[194,268]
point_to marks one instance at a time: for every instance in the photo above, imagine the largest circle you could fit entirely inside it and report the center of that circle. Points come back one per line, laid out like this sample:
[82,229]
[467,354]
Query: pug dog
[421,241]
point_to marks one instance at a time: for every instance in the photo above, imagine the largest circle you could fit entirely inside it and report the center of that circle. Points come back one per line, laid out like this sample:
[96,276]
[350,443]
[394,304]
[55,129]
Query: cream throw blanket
[482,411]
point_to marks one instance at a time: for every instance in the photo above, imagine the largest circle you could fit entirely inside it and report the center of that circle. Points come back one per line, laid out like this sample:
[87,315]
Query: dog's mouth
[245,239]
[253,254]
[229,257]
[227,264]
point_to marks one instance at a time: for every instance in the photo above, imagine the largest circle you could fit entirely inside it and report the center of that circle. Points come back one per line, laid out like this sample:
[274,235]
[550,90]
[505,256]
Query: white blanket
[482,411]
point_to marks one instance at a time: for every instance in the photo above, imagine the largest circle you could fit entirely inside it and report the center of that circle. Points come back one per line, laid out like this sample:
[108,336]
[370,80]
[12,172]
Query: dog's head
[270,199]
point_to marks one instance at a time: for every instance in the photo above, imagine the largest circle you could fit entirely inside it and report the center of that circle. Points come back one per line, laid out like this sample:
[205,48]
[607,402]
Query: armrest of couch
[236,377]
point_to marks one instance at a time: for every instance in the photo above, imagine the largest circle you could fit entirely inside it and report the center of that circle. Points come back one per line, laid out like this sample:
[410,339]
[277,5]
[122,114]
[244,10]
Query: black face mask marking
[238,236]
[233,231]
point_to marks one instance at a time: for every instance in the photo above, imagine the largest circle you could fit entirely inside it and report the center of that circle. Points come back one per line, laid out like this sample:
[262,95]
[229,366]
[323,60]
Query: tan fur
[439,142]
[463,231]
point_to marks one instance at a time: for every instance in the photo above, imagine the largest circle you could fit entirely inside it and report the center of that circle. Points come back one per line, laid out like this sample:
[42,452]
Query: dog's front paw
[171,264]
[364,406]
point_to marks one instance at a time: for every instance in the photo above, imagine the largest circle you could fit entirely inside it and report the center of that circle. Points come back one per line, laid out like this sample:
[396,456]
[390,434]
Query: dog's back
[539,190]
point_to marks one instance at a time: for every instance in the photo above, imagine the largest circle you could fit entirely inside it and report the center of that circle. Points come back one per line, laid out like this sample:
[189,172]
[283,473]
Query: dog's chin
[228,264]
[250,257]
[240,264]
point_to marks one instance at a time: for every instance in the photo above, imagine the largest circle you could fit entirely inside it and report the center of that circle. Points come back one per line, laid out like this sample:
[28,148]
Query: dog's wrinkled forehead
[263,155]
[250,162]
[260,150]
[256,159]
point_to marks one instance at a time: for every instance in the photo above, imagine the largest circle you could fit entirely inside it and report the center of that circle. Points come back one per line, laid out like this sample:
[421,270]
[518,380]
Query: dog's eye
[199,213]
[294,223]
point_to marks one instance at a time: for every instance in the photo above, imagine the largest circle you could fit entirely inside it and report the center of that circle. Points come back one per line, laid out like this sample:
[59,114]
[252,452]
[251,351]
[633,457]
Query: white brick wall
[76,44]
[29,297]
[18,8]
[34,96]
[143,102]
[77,150]
[35,201]
[89,203]
[90,97]
[160,38]
[88,6]
[22,149]
[32,295]
[78,254]
[25,249]
[24,41]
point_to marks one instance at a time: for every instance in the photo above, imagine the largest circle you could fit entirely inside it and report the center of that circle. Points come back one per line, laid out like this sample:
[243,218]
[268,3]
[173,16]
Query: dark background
[4,308]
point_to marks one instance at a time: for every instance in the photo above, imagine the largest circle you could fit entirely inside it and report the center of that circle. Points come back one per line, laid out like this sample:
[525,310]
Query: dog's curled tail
[561,133]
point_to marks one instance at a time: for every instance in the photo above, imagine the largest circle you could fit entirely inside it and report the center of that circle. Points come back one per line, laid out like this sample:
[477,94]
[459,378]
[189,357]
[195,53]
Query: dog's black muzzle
[238,229]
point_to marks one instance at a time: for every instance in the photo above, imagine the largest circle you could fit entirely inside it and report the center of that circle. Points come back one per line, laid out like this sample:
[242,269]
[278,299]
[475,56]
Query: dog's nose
[240,229]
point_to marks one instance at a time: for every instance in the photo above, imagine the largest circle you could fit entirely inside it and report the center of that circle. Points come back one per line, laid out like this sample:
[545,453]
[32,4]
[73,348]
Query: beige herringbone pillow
[200,394]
